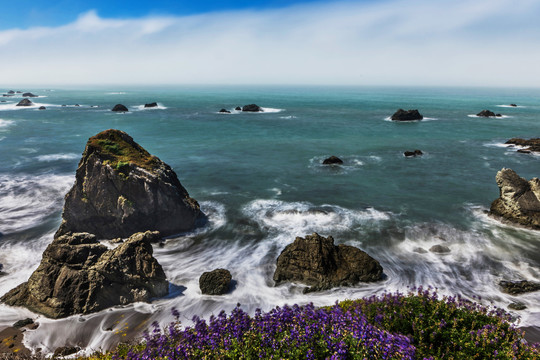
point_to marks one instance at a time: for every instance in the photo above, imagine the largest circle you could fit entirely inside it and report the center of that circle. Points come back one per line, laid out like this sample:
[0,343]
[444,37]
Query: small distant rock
[524,151]
[23,323]
[29,94]
[19,92]
[513,105]
[11,92]
[252,108]
[25,102]
[77,105]
[518,287]
[413,153]
[151,105]
[439,249]
[7,95]
[42,108]
[517,306]
[63,105]
[65,351]
[120,108]
[487,113]
[216,282]
[224,111]
[409,115]
[332,160]
[238,108]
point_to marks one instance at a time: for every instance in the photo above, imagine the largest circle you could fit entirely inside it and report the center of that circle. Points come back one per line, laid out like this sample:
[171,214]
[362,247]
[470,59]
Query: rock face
[487,113]
[332,160]
[409,115]
[150,105]
[29,94]
[78,275]
[216,282]
[252,108]
[518,199]
[25,102]
[518,287]
[121,189]
[317,262]
[119,108]
[530,145]
[413,153]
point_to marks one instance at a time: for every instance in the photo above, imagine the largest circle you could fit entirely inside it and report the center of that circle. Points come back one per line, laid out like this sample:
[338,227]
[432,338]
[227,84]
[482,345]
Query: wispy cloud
[395,42]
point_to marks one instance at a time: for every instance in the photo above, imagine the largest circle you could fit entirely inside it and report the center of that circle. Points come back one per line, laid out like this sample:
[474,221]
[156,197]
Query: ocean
[259,177]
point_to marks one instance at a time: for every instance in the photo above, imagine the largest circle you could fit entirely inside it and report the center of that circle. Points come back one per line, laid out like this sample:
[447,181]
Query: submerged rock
[406,115]
[518,287]
[29,94]
[518,199]
[413,153]
[332,160]
[487,113]
[78,275]
[25,102]
[530,144]
[252,108]
[439,249]
[317,262]
[151,105]
[121,189]
[224,111]
[119,108]
[42,108]
[517,306]
[216,282]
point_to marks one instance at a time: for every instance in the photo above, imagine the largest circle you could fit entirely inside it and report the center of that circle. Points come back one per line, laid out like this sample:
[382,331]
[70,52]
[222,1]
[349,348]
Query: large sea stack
[78,275]
[407,115]
[518,201]
[317,262]
[121,189]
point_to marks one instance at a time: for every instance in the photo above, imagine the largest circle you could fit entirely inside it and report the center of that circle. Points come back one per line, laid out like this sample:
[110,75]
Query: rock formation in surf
[413,153]
[518,200]
[530,145]
[215,282]
[317,262]
[25,102]
[78,275]
[332,160]
[151,105]
[29,94]
[252,108]
[488,113]
[406,115]
[120,108]
[121,189]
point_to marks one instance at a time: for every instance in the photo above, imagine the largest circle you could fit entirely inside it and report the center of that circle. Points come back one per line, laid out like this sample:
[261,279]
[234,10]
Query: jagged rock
[121,189]
[224,111]
[238,108]
[487,113]
[317,262]
[413,153]
[42,108]
[252,108]
[216,282]
[332,160]
[530,144]
[119,108]
[518,199]
[518,287]
[23,323]
[151,105]
[29,94]
[439,249]
[408,115]
[25,102]
[78,275]
[65,351]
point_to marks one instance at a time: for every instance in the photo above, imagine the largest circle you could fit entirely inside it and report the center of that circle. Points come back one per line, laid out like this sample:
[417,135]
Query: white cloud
[395,42]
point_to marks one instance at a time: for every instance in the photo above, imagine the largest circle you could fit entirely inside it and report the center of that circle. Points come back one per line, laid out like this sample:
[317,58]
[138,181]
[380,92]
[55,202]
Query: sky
[332,42]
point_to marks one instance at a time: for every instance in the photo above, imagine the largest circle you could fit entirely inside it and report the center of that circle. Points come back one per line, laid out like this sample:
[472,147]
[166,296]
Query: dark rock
[121,189]
[252,108]
[23,323]
[524,151]
[529,145]
[409,115]
[517,306]
[3,101]
[518,287]
[11,92]
[439,249]
[332,160]
[413,153]
[317,262]
[518,199]
[29,94]
[224,111]
[151,105]
[119,108]
[238,108]
[216,282]
[7,95]
[64,105]
[513,105]
[420,250]
[18,92]
[77,105]
[78,275]
[25,102]
[42,108]
[487,113]
[65,351]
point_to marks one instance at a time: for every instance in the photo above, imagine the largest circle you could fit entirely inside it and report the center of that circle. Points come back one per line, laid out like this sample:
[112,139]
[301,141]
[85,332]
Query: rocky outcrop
[413,153]
[518,200]
[151,105]
[238,108]
[518,287]
[121,189]
[65,351]
[317,262]
[29,94]
[78,275]
[25,102]
[252,108]
[11,92]
[513,105]
[224,111]
[42,108]
[529,145]
[406,115]
[487,113]
[119,108]
[216,282]
[332,160]
[439,249]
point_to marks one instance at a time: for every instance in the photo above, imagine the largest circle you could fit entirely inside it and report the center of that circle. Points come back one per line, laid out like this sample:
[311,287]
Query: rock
[518,200]
[513,105]
[18,92]
[65,351]
[1,267]
[518,287]
[216,282]
[252,108]
[77,105]
[439,249]
[413,153]
[238,108]
[224,111]
[121,189]
[25,102]
[11,92]
[517,306]
[42,108]
[23,323]
[317,262]
[119,108]
[487,113]
[332,160]
[7,95]
[78,275]
[64,105]
[409,115]
[150,105]
[420,250]
[29,94]
[524,151]
[529,145]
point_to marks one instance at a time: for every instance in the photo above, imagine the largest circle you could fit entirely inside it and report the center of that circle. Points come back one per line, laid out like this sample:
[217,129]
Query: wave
[271,110]
[350,163]
[159,107]
[288,117]
[5,123]
[509,106]
[54,157]
[116,93]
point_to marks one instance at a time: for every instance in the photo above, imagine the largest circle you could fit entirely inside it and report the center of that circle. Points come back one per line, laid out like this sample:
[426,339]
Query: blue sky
[351,42]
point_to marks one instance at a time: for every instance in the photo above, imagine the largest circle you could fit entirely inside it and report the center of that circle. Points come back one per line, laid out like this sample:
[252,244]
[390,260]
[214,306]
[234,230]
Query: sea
[260,180]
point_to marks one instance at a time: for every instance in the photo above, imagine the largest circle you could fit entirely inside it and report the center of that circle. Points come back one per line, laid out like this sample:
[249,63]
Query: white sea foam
[509,106]
[270,110]
[490,117]
[159,107]
[288,117]
[55,157]
[5,123]
[115,93]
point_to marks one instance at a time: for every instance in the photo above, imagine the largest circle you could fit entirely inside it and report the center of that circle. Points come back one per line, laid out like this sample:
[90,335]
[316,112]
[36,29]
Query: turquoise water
[260,179]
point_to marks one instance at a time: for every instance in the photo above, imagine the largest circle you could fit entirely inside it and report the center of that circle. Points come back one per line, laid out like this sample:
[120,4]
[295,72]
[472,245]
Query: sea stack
[487,113]
[406,115]
[121,189]
[25,102]
[252,108]
[518,200]
[119,108]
